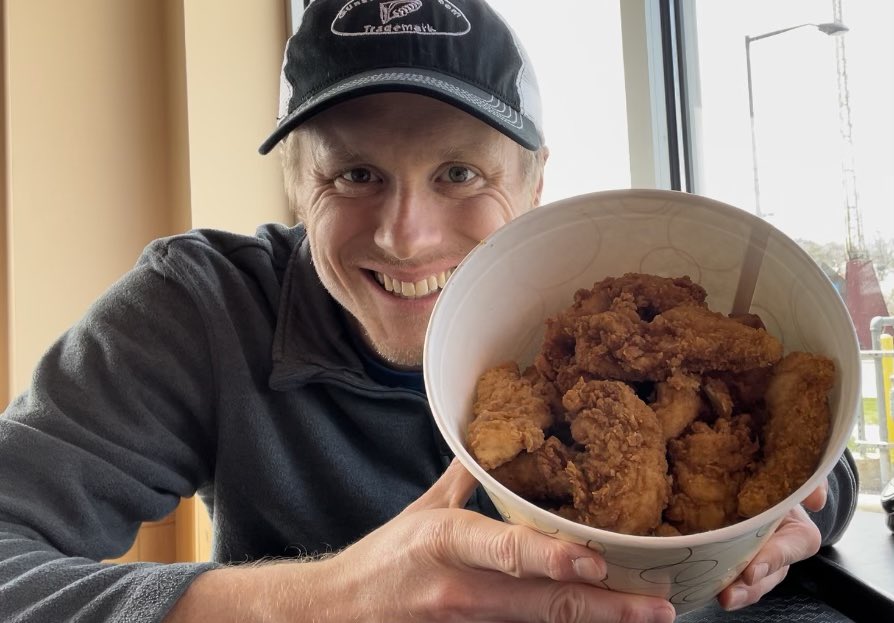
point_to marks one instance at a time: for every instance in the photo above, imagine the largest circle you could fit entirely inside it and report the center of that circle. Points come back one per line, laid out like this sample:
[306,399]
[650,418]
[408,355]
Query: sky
[797,112]
[576,48]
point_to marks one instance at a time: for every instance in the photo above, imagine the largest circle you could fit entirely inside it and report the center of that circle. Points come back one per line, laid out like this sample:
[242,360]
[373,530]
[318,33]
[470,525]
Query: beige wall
[233,85]
[127,120]
[4,292]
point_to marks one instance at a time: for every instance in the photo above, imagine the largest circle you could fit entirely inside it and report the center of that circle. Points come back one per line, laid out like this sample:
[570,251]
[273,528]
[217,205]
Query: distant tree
[882,253]
[832,258]
[827,254]
[834,255]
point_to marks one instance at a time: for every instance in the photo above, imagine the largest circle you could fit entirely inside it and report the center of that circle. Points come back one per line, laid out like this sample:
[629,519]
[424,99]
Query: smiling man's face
[394,190]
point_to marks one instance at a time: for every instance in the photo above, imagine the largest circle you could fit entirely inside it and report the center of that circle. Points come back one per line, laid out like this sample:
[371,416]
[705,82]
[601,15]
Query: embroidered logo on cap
[394,17]
[398,8]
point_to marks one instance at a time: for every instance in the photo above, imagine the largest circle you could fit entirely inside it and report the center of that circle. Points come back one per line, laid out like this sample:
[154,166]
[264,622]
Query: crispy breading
[645,295]
[677,404]
[709,465]
[510,417]
[795,433]
[682,339]
[620,481]
[540,475]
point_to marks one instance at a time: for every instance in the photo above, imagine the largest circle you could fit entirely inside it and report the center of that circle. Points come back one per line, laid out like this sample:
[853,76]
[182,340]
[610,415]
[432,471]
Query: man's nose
[409,223]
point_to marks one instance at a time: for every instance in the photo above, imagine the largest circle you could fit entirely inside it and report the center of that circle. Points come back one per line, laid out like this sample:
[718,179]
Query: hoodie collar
[312,338]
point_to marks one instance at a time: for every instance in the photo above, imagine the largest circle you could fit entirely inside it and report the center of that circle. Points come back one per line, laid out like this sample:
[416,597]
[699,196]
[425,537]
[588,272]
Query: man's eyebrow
[330,149]
[467,150]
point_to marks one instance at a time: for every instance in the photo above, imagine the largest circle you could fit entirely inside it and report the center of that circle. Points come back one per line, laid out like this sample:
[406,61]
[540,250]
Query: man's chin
[400,357]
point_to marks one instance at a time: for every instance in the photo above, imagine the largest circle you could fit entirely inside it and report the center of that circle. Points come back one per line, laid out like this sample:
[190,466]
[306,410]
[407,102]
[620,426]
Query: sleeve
[116,427]
[841,502]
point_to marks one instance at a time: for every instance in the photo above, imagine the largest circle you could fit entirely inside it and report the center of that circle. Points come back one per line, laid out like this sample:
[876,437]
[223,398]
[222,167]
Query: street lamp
[828,28]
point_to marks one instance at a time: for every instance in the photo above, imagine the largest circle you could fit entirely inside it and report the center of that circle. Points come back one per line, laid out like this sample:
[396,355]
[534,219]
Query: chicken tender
[709,465]
[510,417]
[645,295]
[708,341]
[540,475]
[617,344]
[677,404]
[620,481]
[795,433]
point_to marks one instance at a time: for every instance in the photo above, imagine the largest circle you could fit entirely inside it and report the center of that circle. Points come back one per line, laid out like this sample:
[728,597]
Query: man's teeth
[410,289]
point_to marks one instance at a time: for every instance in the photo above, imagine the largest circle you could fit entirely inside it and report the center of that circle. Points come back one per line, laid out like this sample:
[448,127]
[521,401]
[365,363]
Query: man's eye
[359,175]
[459,174]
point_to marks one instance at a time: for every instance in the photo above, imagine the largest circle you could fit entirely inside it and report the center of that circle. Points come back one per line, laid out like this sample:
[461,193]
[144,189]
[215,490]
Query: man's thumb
[451,490]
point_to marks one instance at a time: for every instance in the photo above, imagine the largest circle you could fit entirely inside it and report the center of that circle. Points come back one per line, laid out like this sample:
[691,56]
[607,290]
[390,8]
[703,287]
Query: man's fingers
[451,490]
[796,538]
[497,597]
[817,498]
[481,543]
[739,594]
[476,541]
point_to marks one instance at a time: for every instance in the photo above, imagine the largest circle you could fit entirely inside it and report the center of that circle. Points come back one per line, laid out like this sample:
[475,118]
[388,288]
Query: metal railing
[882,354]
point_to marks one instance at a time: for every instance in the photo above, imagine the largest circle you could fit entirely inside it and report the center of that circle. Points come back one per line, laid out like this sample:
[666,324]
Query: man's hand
[433,562]
[437,562]
[796,538]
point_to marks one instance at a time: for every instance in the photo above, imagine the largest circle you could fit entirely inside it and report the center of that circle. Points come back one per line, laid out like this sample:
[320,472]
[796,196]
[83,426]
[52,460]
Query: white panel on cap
[285,89]
[526,82]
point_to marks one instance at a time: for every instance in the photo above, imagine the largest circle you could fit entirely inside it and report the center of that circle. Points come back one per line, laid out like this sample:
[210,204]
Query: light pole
[829,28]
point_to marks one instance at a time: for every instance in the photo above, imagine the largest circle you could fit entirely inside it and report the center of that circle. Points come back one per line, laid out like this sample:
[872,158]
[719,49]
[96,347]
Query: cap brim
[472,100]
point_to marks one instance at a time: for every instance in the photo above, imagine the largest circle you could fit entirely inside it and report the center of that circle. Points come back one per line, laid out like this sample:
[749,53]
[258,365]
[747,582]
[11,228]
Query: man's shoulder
[269,247]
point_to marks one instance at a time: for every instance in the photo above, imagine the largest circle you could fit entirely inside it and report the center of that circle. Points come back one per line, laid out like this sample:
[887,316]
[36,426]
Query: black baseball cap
[458,51]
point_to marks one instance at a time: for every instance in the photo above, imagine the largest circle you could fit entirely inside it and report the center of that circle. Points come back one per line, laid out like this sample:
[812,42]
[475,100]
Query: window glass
[580,69]
[818,160]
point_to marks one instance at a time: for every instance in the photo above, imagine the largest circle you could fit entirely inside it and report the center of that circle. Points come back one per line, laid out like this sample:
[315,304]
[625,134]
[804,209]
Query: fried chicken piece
[746,388]
[648,295]
[795,433]
[546,389]
[708,466]
[677,404]
[651,294]
[597,336]
[685,338]
[620,481]
[509,417]
[539,476]
[557,350]
[711,341]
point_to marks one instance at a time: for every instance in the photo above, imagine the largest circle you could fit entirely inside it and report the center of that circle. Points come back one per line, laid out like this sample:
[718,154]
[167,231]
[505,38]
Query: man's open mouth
[414,289]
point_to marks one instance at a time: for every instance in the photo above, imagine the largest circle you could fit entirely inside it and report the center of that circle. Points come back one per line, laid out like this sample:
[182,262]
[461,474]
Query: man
[278,375]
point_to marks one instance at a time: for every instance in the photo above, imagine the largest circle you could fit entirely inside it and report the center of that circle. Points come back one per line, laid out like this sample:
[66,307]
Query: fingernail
[588,569]
[758,573]
[737,597]
[664,613]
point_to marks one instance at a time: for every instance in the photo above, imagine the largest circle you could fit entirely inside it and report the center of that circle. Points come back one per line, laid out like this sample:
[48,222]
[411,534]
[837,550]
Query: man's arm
[841,500]
[110,433]
[433,562]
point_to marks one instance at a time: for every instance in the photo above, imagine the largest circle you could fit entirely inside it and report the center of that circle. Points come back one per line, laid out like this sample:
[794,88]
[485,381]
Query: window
[817,160]
[581,77]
